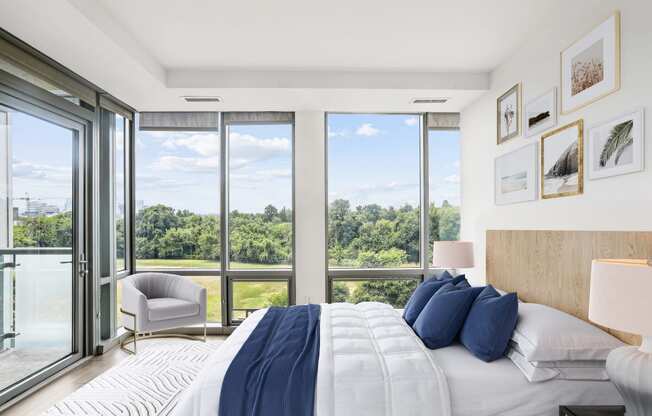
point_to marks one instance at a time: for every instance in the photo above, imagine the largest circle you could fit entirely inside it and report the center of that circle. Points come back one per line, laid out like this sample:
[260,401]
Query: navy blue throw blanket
[275,371]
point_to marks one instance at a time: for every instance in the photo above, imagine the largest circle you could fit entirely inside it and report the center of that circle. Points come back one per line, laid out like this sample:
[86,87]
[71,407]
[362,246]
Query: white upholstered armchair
[160,301]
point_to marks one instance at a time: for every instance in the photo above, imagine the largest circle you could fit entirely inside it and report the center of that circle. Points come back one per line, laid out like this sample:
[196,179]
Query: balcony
[36,325]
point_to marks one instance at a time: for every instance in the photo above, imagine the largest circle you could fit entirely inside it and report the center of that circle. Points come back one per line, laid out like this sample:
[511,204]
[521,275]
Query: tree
[394,292]
[270,213]
[340,292]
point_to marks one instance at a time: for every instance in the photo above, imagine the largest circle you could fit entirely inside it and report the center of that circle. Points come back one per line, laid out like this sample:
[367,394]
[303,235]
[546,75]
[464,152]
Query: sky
[372,158]
[42,160]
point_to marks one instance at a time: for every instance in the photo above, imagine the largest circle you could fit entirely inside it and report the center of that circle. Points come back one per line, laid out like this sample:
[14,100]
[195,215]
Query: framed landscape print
[616,147]
[541,113]
[590,67]
[515,176]
[562,161]
[508,108]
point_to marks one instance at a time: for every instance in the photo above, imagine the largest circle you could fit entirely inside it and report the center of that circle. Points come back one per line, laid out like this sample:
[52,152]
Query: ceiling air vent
[203,99]
[439,100]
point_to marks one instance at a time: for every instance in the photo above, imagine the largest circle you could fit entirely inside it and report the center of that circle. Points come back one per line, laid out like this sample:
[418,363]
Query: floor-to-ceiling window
[177,202]
[215,203]
[378,180]
[259,186]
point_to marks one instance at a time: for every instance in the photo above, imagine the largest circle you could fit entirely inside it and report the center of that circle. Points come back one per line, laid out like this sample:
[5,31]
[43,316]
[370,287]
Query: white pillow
[538,374]
[562,363]
[546,334]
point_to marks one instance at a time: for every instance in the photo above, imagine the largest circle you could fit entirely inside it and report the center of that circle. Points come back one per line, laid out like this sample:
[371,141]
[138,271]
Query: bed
[372,363]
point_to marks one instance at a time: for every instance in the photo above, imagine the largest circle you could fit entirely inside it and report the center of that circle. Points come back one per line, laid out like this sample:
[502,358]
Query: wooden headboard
[554,267]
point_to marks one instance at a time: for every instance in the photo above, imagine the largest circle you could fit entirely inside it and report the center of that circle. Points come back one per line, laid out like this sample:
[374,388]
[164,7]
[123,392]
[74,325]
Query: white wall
[310,205]
[617,203]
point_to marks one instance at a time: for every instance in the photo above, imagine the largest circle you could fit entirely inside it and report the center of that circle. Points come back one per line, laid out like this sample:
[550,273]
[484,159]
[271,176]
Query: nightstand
[591,410]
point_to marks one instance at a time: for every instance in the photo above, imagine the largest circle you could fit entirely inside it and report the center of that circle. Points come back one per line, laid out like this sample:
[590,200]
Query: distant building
[39,209]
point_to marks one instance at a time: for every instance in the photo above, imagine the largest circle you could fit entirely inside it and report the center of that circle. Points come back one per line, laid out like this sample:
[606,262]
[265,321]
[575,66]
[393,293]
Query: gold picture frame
[579,125]
[566,108]
[516,91]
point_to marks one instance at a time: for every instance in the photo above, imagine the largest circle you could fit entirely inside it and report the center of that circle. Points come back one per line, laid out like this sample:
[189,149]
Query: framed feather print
[616,147]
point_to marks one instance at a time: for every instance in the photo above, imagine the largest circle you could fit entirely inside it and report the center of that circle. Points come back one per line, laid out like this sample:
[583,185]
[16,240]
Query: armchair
[160,301]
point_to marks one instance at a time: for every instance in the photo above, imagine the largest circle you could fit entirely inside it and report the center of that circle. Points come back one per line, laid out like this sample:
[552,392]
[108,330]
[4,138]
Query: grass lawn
[199,264]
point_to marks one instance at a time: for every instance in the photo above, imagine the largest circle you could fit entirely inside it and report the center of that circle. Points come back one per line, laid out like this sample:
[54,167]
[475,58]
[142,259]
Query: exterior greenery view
[369,236]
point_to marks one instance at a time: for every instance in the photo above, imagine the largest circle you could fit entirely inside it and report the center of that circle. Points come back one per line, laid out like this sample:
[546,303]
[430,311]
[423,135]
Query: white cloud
[412,121]
[456,164]
[28,170]
[207,144]
[367,130]
[454,178]
[337,133]
[187,164]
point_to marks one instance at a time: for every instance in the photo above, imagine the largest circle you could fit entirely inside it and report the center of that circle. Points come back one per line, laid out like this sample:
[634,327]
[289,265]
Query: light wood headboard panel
[554,267]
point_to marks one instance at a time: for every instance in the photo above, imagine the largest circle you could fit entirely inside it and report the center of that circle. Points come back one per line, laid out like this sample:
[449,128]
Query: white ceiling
[378,35]
[346,55]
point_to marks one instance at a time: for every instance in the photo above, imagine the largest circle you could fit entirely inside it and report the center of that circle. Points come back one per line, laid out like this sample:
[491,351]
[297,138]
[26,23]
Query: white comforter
[370,363]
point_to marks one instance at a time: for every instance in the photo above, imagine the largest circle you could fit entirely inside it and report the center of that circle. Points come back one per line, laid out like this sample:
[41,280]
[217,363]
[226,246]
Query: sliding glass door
[42,263]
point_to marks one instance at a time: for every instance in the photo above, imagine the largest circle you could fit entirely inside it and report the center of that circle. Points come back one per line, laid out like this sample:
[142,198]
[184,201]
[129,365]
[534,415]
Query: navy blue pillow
[444,314]
[490,324]
[464,284]
[422,295]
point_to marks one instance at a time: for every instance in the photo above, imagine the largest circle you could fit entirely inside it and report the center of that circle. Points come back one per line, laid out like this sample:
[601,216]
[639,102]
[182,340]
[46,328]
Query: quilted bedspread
[370,363]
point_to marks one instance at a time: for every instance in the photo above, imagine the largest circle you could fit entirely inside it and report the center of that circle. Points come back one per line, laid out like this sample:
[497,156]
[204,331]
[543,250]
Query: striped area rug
[146,384]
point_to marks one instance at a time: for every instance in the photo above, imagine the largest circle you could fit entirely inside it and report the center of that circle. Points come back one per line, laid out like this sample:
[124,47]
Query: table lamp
[452,254]
[620,299]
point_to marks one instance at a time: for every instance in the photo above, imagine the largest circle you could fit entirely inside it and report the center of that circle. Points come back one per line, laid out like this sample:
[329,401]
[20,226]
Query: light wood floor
[43,399]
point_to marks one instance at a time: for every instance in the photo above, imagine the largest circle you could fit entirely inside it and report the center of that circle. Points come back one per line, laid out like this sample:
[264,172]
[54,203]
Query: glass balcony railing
[36,300]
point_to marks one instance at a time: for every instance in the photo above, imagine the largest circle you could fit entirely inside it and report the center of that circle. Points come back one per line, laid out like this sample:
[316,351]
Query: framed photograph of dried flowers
[590,67]
[508,107]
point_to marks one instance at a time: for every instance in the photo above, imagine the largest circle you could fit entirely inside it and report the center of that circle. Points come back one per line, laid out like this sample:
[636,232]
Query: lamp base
[630,369]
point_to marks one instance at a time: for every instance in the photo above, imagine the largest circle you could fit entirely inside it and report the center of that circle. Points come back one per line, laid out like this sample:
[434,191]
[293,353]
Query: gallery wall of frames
[562,133]
[563,157]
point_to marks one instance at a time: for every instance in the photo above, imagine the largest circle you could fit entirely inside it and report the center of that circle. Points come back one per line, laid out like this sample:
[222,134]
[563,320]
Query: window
[249,296]
[177,200]
[260,207]
[382,168]
[216,205]
[260,196]
[120,192]
[373,191]
[444,190]
[395,292]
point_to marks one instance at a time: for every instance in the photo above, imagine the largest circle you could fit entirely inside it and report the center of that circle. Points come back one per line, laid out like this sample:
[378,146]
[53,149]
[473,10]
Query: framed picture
[515,176]
[541,113]
[562,161]
[509,114]
[616,147]
[590,67]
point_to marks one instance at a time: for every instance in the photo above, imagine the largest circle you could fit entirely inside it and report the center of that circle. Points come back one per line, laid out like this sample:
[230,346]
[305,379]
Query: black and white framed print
[616,147]
[590,67]
[541,113]
[562,161]
[508,109]
[515,176]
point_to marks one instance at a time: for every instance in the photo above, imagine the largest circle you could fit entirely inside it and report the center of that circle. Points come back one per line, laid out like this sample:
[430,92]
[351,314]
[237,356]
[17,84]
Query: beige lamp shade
[621,295]
[452,254]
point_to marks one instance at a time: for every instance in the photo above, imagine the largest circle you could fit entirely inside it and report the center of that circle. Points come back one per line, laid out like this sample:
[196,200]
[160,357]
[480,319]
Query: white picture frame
[516,176]
[590,67]
[619,159]
[541,113]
